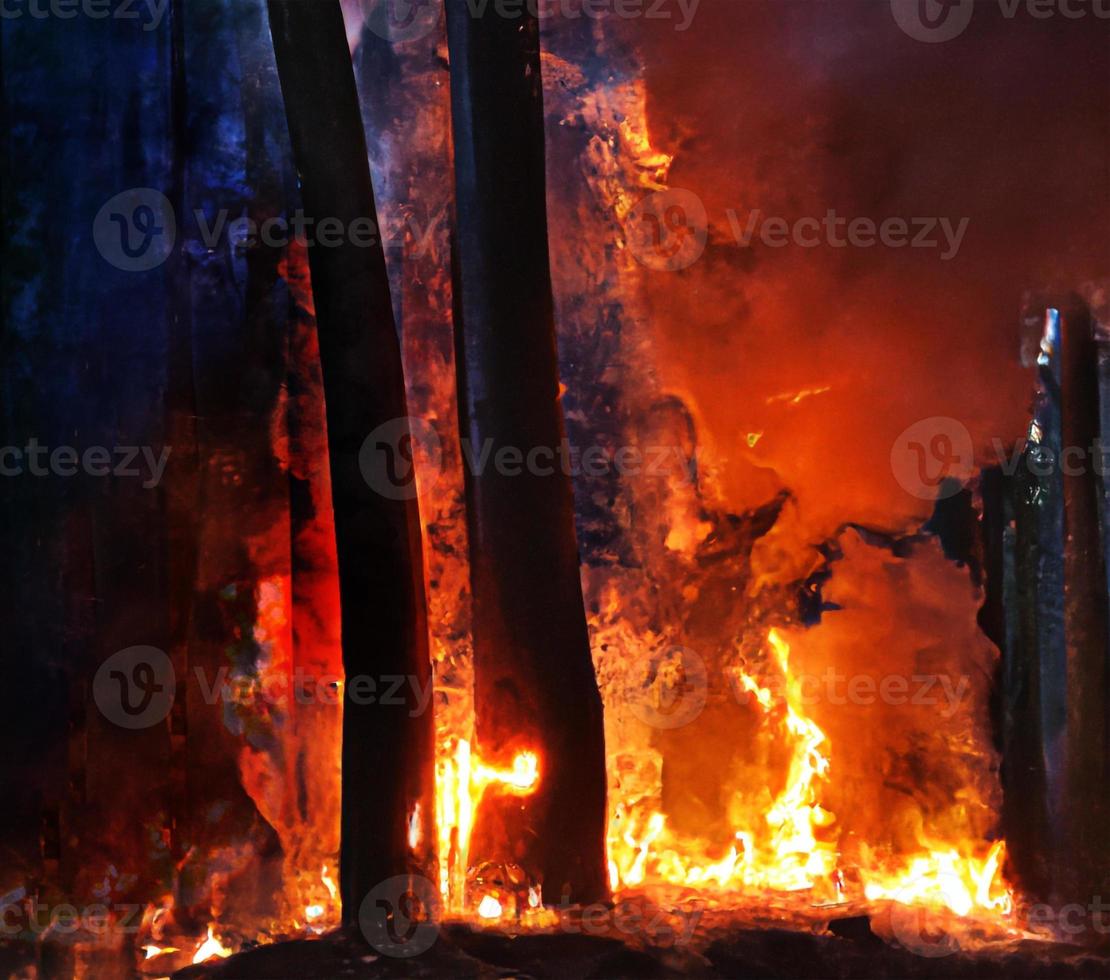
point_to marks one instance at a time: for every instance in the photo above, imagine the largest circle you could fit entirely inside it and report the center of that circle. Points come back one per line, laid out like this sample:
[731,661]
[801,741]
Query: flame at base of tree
[794,848]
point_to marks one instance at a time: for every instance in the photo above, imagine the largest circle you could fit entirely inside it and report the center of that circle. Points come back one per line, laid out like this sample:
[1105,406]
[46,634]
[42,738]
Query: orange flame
[461,781]
[211,948]
[792,850]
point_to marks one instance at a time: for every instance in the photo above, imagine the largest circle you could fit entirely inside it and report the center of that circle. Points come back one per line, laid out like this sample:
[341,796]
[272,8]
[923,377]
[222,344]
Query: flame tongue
[461,781]
[785,853]
[211,948]
[800,859]
[784,850]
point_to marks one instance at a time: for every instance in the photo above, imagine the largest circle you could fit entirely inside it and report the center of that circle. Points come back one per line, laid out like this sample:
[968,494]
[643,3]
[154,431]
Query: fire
[944,878]
[792,847]
[462,780]
[795,814]
[489,908]
[211,948]
[150,951]
[321,914]
[785,854]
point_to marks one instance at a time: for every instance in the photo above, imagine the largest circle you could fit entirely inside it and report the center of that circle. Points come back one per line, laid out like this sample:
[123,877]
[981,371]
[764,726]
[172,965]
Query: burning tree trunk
[388,745]
[534,679]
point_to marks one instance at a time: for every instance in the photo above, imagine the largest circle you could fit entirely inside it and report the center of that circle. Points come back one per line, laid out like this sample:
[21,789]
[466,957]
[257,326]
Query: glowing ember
[149,952]
[489,908]
[416,830]
[211,948]
[461,782]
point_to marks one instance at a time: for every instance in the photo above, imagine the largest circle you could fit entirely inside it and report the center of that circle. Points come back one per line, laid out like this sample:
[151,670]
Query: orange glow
[211,948]
[461,782]
[793,847]
[784,854]
[944,878]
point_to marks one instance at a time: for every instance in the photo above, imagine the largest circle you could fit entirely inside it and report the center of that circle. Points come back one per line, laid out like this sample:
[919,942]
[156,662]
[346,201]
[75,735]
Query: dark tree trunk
[1049,569]
[388,765]
[1085,600]
[534,679]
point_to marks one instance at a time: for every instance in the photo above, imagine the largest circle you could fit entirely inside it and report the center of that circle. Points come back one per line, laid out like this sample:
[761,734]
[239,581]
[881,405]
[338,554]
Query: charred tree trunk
[1085,599]
[1050,572]
[534,679]
[388,765]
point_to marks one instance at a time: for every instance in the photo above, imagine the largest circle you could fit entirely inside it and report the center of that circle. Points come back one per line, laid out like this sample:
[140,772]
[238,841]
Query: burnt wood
[388,748]
[534,678]
[1085,598]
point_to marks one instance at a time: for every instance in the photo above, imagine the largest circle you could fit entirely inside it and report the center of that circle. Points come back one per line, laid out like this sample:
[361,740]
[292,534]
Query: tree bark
[534,679]
[388,748]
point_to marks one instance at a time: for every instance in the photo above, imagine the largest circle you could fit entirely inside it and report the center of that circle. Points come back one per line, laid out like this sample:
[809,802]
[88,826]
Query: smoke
[796,109]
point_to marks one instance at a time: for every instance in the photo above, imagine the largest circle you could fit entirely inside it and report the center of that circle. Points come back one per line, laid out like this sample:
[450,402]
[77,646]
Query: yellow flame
[211,948]
[416,829]
[149,951]
[461,782]
[790,850]
[785,854]
[946,879]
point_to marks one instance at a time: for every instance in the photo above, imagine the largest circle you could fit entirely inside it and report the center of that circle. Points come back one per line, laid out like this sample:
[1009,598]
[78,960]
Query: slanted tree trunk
[388,764]
[534,679]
